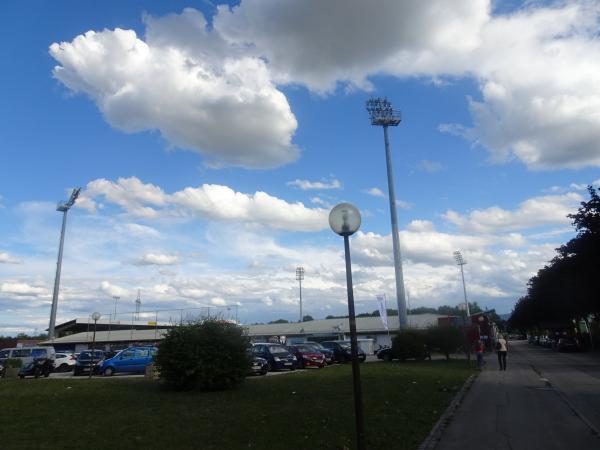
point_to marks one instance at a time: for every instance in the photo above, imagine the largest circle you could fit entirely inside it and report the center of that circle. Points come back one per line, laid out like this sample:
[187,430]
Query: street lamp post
[300,277]
[344,219]
[460,261]
[95,317]
[382,114]
[64,208]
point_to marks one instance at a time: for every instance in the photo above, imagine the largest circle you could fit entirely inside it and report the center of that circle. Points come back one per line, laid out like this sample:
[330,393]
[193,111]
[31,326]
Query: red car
[307,356]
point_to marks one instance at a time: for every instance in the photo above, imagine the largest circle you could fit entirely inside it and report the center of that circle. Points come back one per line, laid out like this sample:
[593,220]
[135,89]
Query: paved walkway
[523,408]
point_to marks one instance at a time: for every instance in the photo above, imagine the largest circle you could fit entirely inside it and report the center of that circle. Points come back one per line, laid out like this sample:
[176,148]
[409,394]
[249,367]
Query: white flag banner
[382,310]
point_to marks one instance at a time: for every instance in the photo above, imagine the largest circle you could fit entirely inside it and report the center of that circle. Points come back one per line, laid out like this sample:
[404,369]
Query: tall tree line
[567,288]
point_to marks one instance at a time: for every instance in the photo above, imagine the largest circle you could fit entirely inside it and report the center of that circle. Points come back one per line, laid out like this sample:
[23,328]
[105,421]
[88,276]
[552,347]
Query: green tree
[444,339]
[208,355]
[307,318]
[279,321]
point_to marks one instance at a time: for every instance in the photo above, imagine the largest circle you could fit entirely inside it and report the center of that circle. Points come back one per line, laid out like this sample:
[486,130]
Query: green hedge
[412,343]
[206,355]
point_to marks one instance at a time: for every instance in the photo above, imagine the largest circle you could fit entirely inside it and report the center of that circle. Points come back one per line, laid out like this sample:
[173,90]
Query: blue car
[130,360]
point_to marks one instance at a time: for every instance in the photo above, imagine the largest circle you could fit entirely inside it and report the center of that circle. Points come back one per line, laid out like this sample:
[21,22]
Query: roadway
[544,400]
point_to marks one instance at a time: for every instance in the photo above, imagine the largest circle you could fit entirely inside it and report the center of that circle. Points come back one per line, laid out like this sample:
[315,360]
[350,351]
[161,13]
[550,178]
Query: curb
[431,441]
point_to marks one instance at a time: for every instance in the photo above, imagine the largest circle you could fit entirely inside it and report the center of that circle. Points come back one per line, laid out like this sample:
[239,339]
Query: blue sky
[211,142]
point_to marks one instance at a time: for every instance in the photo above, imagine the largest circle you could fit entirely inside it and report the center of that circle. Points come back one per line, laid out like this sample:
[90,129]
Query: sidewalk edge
[431,441]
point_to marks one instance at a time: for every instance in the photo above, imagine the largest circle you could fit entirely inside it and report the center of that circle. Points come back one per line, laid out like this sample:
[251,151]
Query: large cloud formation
[210,201]
[214,89]
[182,80]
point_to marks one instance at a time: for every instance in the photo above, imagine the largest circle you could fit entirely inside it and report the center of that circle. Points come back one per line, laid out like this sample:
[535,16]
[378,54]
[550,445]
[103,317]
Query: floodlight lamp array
[300,273]
[381,112]
[65,206]
[459,258]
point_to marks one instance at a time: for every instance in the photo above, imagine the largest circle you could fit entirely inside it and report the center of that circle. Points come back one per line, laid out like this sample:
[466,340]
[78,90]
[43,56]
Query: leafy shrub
[208,355]
[15,363]
[445,339]
[410,343]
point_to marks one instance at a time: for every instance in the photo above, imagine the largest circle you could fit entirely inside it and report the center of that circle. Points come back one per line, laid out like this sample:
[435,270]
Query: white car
[64,362]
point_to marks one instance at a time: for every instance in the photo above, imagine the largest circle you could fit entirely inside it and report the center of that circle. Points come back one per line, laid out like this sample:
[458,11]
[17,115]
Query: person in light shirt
[502,348]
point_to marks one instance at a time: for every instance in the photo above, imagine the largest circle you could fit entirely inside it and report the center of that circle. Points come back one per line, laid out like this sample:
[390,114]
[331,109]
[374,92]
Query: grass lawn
[308,410]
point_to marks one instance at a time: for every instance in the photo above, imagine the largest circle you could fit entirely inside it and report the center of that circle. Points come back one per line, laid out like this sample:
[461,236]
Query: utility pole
[300,277]
[64,208]
[382,114]
[138,305]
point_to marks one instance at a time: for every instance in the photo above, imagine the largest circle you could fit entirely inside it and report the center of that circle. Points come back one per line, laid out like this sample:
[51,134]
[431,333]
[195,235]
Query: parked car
[130,360]
[258,365]
[277,356]
[342,351]
[567,344]
[27,354]
[2,370]
[327,353]
[36,368]
[86,360]
[64,362]
[307,356]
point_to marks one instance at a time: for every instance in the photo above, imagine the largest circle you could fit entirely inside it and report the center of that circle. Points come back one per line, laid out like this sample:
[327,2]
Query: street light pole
[300,277]
[344,219]
[64,208]
[382,114]
[95,316]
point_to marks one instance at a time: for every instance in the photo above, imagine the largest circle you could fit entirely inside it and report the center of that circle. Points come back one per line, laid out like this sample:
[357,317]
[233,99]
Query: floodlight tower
[64,208]
[382,114]
[461,262]
[300,277]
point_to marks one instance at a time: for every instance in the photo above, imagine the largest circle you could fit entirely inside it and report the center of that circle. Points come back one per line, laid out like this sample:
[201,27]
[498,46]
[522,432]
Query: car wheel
[386,357]
[109,372]
[46,373]
[269,367]
[37,372]
[64,367]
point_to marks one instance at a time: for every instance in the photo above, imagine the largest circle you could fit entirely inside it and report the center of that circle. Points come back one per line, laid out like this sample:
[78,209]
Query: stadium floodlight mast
[344,219]
[64,208]
[382,114]
[460,261]
[300,277]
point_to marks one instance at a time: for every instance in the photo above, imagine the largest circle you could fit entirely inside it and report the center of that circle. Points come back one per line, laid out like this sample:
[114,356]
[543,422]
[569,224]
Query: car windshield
[276,349]
[345,345]
[305,348]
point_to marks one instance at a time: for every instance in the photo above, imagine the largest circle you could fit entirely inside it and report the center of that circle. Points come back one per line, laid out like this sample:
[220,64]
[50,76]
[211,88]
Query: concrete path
[544,400]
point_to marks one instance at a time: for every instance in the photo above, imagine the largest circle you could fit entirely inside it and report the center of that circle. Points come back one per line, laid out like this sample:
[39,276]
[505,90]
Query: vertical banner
[382,310]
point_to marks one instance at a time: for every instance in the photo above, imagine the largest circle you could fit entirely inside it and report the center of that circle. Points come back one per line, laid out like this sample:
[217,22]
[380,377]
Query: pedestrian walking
[502,349]
[479,348]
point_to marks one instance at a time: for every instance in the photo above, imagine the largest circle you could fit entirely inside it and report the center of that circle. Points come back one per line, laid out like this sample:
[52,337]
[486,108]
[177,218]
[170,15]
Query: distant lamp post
[344,219]
[460,261]
[299,278]
[382,114]
[95,317]
[62,207]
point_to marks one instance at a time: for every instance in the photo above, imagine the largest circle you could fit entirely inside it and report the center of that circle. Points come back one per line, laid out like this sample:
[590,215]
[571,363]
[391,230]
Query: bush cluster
[206,355]
[411,343]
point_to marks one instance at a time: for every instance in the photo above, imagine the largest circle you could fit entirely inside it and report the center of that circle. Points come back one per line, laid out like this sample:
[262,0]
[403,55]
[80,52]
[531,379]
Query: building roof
[112,336]
[364,325]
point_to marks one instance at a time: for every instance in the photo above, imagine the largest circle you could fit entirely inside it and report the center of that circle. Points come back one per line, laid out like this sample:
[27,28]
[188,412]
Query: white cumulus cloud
[186,82]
